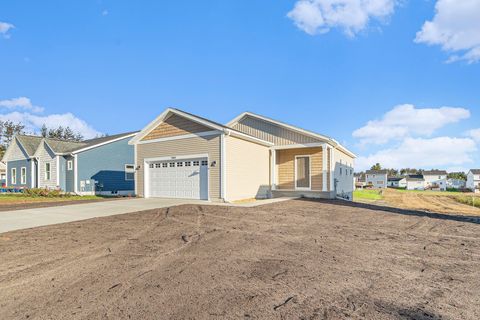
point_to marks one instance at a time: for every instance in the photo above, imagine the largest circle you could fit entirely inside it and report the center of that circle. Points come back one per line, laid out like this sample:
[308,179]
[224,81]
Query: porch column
[273,169]
[332,169]
[324,167]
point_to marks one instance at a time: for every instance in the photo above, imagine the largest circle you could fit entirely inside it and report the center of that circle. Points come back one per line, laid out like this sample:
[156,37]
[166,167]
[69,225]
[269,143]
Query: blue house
[98,166]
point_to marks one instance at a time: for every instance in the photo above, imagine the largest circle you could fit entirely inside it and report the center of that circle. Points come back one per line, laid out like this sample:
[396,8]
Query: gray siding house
[97,166]
[376,178]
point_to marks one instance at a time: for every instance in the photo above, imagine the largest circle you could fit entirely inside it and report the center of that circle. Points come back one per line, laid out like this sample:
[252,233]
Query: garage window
[196,163]
[151,165]
[204,163]
[179,164]
[164,165]
[172,164]
[157,165]
[188,164]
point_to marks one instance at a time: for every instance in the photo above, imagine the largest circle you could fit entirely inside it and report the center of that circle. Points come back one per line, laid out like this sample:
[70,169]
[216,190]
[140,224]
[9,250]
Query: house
[397,182]
[359,180]
[456,183]
[376,178]
[97,166]
[415,182]
[435,180]
[181,155]
[3,174]
[473,180]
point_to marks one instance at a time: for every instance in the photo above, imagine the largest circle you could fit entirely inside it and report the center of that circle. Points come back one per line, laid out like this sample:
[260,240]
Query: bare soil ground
[428,201]
[24,203]
[290,260]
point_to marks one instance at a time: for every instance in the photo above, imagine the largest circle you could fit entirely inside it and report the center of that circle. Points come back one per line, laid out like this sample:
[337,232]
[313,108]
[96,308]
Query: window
[164,165]
[69,165]
[129,172]
[204,163]
[172,164]
[23,175]
[48,172]
[179,164]
[188,163]
[158,165]
[196,163]
[151,165]
[14,176]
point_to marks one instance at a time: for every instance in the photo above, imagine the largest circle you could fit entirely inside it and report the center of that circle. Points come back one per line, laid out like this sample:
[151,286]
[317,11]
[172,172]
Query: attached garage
[179,178]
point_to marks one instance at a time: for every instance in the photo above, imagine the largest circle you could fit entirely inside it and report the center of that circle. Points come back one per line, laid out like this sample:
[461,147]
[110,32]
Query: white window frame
[70,165]
[309,172]
[13,178]
[23,177]
[48,173]
[129,170]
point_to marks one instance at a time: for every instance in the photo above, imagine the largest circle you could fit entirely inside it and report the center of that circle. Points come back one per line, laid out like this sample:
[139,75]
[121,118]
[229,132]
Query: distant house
[359,180]
[97,166]
[415,182]
[435,180]
[397,182]
[456,183]
[473,180]
[376,178]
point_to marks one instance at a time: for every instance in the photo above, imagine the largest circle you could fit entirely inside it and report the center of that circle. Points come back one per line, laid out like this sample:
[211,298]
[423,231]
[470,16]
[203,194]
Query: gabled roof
[415,177]
[315,135]
[395,178]
[435,173]
[62,146]
[29,143]
[475,171]
[97,142]
[203,121]
[377,171]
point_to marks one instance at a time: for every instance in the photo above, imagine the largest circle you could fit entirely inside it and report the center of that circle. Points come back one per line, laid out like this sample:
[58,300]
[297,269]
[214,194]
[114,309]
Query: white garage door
[186,178]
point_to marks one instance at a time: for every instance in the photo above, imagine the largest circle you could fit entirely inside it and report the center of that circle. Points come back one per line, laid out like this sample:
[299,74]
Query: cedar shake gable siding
[175,125]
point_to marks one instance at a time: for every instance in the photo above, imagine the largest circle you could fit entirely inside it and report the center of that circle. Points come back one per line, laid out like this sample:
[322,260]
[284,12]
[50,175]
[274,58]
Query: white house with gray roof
[97,166]
[435,180]
[473,180]
[376,178]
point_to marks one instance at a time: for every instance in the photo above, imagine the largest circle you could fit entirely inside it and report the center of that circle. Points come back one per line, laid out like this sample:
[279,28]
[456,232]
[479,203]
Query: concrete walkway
[29,218]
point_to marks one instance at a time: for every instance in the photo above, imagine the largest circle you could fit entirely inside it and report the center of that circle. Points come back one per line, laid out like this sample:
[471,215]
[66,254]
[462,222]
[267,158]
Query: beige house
[181,155]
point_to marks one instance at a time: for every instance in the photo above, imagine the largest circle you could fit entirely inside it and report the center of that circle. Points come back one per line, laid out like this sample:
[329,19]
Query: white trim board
[184,136]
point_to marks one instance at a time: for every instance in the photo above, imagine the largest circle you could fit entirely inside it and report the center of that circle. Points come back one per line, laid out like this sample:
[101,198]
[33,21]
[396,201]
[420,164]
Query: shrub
[38,192]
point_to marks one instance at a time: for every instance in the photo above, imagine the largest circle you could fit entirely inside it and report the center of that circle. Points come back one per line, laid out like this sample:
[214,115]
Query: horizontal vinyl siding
[47,156]
[106,165]
[199,145]
[175,126]
[345,182]
[271,132]
[247,170]
[286,167]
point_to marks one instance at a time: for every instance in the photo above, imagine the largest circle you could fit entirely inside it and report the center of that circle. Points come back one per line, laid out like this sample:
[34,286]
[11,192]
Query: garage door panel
[179,179]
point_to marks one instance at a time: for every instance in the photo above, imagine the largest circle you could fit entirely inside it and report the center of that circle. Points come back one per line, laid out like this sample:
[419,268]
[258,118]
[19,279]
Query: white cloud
[105,13]
[423,153]
[474,134]
[4,28]
[406,120]
[33,121]
[455,27]
[20,103]
[352,16]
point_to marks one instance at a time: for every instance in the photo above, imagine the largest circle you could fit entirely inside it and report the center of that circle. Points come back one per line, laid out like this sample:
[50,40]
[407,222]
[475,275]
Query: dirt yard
[291,260]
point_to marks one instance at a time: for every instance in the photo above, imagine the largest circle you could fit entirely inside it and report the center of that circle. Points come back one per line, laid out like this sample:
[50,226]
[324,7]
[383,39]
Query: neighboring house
[435,180]
[397,182]
[181,155]
[359,180]
[97,166]
[415,182]
[376,178]
[473,180]
[456,183]
[3,174]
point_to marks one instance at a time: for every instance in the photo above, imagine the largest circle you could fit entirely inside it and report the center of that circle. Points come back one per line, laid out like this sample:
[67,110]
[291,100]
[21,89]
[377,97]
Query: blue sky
[368,67]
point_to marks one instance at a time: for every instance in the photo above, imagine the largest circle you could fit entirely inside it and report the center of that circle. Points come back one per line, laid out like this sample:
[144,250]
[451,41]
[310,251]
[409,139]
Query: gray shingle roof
[415,177]
[377,171]
[29,143]
[434,172]
[475,171]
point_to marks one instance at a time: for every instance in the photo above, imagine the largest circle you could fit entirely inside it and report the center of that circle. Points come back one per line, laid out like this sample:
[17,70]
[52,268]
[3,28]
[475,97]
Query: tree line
[8,130]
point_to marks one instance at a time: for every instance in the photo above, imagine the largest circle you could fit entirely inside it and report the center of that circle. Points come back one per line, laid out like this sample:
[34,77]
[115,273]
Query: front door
[302,173]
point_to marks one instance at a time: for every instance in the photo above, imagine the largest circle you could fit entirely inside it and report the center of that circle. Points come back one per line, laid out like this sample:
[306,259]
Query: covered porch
[302,170]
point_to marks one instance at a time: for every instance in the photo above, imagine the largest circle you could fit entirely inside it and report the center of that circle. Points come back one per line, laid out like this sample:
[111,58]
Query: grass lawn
[12,198]
[367,195]
[473,201]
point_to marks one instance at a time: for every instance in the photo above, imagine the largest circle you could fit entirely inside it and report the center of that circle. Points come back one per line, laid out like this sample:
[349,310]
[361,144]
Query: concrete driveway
[29,218]
[37,217]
